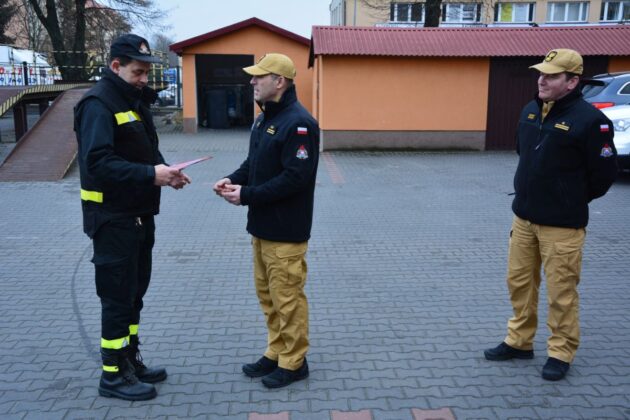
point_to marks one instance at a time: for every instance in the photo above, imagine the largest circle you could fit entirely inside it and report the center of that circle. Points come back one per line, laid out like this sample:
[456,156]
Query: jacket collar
[562,103]
[271,109]
[129,92]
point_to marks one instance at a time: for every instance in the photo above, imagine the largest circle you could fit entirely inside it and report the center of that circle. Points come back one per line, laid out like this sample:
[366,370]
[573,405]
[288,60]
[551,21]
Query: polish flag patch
[604,128]
[302,131]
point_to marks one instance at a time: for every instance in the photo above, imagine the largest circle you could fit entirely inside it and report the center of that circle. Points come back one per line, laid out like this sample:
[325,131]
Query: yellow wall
[400,93]
[618,64]
[252,40]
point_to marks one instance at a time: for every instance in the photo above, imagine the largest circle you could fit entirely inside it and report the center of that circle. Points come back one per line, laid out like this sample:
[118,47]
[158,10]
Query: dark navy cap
[132,46]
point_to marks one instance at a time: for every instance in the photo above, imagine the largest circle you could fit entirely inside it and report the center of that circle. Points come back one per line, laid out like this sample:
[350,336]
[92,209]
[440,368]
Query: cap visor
[255,71]
[547,68]
[146,58]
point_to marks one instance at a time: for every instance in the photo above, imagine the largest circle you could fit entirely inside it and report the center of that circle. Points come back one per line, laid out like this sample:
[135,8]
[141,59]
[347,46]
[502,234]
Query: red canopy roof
[178,47]
[468,42]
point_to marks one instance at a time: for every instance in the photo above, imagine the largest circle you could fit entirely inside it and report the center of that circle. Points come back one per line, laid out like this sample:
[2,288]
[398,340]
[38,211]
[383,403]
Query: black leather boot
[122,383]
[144,373]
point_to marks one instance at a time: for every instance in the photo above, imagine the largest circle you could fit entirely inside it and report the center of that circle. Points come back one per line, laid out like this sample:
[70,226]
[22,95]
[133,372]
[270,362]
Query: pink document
[184,165]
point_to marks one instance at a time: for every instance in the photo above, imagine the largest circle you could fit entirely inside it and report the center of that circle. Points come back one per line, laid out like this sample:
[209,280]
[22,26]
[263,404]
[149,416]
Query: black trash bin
[216,108]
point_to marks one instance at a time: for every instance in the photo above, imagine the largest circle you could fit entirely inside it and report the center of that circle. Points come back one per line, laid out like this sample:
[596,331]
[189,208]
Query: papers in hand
[184,165]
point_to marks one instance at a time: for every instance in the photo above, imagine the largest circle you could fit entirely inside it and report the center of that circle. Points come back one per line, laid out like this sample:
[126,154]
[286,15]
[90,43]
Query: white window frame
[398,5]
[619,18]
[531,12]
[583,11]
[460,6]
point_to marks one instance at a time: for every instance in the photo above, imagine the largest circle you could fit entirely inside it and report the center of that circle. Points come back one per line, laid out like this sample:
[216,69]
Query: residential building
[480,12]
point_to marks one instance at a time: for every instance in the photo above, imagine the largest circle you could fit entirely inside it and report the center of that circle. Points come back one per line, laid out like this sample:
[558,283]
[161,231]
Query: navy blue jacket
[278,176]
[565,161]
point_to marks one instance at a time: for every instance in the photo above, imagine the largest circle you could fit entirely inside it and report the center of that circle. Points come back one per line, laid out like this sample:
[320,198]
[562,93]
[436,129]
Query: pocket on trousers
[292,258]
[568,259]
[110,275]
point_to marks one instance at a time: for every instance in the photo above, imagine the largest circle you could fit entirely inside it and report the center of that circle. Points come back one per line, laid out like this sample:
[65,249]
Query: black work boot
[144,373]
[505,352]
[123,382]
[555,369]
[282,377]
[264,366]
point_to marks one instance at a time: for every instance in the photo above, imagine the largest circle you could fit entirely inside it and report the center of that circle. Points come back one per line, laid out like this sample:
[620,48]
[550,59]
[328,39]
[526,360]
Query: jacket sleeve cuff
[150,174]
[246,195]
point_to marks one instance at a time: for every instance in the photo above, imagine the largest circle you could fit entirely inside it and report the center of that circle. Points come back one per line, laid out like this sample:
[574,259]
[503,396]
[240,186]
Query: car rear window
[625,90]
[591,90]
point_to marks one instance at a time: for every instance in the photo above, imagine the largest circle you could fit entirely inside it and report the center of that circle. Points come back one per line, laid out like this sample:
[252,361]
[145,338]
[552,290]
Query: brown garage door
[512,85]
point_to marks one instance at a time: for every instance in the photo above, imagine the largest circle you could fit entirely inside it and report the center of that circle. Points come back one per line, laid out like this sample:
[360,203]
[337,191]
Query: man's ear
[115,65]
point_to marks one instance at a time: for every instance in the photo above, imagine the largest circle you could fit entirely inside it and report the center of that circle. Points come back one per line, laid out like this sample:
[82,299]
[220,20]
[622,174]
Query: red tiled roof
[468,42]
[178,47]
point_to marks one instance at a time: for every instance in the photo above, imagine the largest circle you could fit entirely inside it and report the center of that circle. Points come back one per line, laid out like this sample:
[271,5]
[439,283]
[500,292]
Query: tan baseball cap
[559,61]
[272,63]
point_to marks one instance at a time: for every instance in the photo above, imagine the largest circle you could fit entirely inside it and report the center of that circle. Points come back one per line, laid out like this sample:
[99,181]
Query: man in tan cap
[277,182]
[566,159]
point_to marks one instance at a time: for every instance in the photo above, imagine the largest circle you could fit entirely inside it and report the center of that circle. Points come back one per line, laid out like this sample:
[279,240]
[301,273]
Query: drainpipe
[354,22]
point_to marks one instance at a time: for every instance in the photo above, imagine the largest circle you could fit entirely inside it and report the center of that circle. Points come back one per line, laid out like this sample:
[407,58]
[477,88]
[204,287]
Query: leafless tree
[160,44]
[80,30]
[7,10]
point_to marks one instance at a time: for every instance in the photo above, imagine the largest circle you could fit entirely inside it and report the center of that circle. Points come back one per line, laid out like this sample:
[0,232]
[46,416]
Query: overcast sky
[189,18]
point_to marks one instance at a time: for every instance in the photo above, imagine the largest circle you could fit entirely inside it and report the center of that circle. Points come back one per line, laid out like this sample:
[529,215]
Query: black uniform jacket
[565,161]
[278,176]
[118,149]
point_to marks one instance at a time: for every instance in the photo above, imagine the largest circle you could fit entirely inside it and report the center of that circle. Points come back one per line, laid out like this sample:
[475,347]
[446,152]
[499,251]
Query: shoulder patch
[531,117]
[302,153]
[606,151]
[302,131]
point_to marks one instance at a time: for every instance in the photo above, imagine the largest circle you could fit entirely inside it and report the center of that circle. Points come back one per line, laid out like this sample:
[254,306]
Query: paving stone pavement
[406,288]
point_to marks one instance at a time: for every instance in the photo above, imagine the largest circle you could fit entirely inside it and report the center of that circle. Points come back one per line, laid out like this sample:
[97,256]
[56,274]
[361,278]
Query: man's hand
[181,183]
[175,178]
[232,194]
[221,185]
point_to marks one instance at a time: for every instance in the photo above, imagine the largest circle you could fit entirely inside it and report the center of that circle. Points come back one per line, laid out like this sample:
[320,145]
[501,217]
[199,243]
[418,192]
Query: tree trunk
[71,63]
[432,14]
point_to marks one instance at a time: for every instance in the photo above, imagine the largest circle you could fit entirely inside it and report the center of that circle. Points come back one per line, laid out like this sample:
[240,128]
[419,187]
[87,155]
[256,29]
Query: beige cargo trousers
[559,250]
[280,275]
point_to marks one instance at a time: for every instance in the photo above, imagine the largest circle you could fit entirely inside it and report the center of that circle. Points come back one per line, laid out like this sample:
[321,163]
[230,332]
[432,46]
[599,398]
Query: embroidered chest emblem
[302,153]
[562,126]
[271,130]
[606,151]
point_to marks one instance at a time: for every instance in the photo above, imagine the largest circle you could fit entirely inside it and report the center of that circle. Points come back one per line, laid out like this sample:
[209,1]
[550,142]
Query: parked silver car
[606,90]
[620,116]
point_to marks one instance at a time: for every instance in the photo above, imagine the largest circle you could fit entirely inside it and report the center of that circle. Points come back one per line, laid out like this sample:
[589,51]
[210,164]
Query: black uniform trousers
[122,260]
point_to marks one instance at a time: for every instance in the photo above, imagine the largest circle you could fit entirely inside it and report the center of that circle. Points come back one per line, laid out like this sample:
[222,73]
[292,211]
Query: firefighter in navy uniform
[566,159]
[277,183]
[122,172]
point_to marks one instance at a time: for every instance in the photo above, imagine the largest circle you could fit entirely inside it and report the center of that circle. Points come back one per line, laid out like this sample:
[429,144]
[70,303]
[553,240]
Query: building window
[461,12]
[615,11]
[567,11]
[406,12]
[514,12]
[337,13]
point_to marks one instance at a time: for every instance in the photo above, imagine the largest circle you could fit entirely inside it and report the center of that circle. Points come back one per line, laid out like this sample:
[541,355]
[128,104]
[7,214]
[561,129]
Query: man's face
[266,88]
[552,87]
[136,73]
